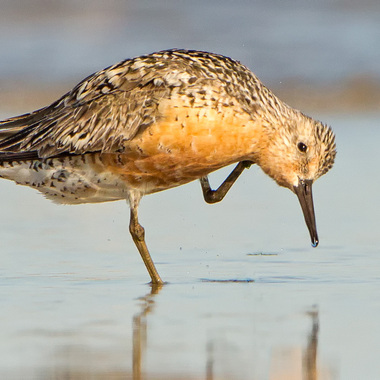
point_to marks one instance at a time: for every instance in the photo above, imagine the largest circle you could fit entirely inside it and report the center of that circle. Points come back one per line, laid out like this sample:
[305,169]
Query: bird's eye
[302,147]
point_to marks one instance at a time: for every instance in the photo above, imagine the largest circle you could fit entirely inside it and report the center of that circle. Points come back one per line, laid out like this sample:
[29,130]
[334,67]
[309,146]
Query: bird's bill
[305,196]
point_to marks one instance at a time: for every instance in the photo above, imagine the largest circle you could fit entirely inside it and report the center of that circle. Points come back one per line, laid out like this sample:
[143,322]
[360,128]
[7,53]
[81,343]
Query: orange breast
[185,144]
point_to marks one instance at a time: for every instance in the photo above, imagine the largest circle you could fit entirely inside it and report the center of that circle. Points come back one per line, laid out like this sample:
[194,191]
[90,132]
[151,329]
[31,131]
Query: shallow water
[247,296]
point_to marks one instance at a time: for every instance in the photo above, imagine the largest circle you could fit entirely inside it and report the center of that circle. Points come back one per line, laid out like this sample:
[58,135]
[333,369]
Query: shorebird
[158,121]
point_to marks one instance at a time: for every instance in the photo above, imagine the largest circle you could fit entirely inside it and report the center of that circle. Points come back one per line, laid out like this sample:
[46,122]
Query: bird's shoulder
[113,105]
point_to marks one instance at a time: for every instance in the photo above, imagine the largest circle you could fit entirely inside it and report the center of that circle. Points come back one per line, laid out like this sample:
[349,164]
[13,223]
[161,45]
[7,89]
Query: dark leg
[213,196]
[138,234]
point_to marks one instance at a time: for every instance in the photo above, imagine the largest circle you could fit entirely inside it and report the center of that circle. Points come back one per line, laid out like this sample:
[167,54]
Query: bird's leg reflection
[140,330]
[210,361]
[309,364]
[299,361]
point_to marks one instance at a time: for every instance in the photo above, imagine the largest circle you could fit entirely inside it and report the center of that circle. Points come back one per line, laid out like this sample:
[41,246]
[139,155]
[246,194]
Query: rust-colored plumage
[158,121]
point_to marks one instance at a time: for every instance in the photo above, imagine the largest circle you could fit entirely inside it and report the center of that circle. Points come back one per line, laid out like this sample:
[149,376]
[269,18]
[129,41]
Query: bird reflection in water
[291,363]
[305,368]
[309,363]
[140,330]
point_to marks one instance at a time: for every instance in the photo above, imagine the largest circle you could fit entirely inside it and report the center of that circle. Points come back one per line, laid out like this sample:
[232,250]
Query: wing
[99,114]
[112,106]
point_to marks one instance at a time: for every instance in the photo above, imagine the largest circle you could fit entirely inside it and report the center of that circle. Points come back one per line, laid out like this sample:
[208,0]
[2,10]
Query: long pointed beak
[305,196]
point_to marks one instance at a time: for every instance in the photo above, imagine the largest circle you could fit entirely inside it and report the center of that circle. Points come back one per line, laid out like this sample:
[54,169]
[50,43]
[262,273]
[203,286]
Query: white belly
[66,181]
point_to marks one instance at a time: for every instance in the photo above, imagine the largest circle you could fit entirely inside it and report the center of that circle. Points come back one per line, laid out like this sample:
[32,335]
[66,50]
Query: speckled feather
[139,108]
[110,107]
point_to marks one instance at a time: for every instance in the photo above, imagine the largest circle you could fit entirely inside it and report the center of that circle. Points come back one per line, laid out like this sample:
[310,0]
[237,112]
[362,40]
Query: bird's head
[297,151]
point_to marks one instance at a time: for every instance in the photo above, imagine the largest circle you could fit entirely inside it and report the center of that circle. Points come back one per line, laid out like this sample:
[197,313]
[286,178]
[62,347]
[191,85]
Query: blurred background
[322,54]
[247,296]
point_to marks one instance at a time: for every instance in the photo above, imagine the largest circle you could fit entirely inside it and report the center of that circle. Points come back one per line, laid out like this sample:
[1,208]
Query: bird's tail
[13,125]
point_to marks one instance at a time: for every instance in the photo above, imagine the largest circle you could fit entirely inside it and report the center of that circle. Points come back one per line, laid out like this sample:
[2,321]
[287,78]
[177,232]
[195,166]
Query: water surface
[247,295]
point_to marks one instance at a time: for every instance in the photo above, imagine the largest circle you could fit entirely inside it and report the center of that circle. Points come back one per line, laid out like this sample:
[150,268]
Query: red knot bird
[158,121]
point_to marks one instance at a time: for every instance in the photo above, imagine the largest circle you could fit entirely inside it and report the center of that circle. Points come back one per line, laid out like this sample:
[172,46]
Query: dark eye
[302,147]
